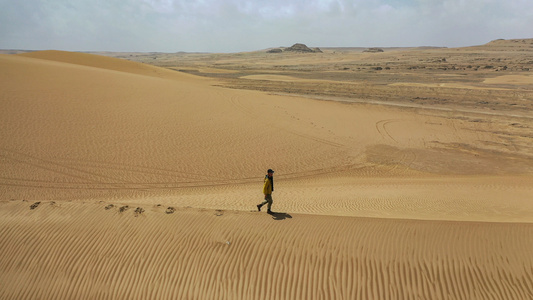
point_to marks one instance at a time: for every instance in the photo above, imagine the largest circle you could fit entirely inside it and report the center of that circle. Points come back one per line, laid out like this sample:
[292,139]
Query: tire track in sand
[381,127]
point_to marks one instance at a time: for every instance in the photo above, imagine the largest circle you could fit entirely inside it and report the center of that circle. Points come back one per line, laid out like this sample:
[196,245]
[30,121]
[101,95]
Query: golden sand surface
[124,180]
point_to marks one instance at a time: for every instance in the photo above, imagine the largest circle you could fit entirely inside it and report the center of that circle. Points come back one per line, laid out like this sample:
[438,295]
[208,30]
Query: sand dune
[96,61]
[192,254]
[380,202]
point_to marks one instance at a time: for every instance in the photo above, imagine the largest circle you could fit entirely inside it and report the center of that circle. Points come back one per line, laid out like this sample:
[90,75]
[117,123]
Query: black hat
[270,171]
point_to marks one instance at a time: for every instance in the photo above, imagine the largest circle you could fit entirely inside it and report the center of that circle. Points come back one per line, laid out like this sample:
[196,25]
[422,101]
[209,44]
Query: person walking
[268,188]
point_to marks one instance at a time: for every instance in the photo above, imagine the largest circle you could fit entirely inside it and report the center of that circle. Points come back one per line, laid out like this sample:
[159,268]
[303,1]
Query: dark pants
[268,200]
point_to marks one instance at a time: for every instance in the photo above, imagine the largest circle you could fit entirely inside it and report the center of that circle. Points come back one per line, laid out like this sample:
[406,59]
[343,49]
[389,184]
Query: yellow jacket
[267,188]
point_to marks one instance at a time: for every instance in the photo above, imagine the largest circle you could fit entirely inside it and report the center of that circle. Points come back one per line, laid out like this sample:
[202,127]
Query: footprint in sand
[54,204]
[123,208]
[170,210]
[34,205]
[138,211]
[110,206]
[219,213]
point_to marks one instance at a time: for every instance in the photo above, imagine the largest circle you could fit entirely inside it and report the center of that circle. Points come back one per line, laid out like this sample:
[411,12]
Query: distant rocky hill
[500,42]
[509,45]
[301,48]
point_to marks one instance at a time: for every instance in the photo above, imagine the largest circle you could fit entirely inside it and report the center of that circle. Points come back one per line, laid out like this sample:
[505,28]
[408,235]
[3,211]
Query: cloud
[236,25]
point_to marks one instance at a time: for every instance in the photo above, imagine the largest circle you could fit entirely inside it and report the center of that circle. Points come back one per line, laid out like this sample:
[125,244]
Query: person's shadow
[278,216]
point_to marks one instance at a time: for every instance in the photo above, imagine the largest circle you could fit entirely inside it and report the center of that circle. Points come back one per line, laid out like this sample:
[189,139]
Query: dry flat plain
[405,174]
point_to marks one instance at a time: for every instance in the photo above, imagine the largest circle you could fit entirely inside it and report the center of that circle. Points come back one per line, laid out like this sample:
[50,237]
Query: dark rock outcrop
[300,48]
[374,50]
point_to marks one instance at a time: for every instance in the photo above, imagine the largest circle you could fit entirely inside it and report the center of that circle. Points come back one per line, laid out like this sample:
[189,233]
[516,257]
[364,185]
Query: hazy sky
[234,26]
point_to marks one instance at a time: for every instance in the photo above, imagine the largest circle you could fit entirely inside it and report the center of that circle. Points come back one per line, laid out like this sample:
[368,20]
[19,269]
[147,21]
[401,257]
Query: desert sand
[140,179]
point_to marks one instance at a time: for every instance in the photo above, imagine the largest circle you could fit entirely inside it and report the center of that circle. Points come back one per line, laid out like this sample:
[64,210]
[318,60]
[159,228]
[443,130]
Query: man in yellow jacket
[268,188]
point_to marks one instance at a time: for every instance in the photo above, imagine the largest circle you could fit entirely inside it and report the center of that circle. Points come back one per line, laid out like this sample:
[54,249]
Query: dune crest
[102,62]
[95,250]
